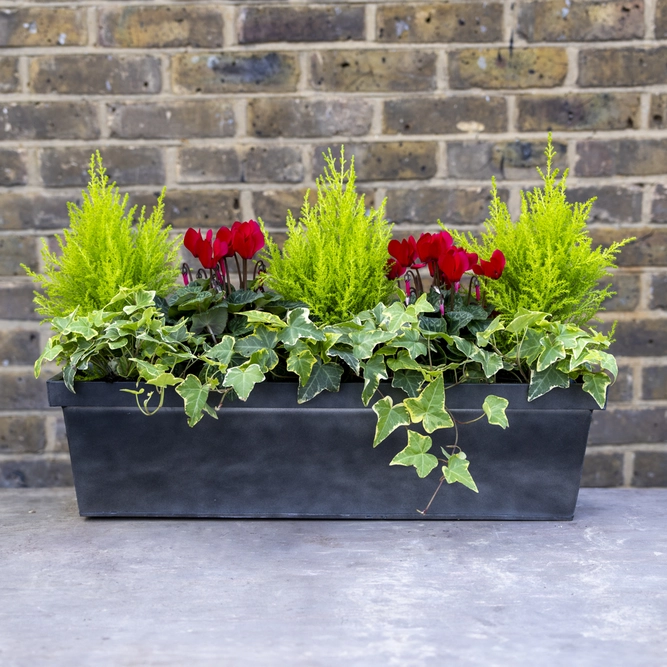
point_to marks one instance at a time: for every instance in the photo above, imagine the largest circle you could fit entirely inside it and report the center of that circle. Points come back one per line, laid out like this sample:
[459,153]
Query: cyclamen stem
[245,273]
[238,268]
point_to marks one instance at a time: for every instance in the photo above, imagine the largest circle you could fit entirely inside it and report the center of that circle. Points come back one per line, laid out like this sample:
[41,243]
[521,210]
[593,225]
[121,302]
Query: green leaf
[69,372]
[301,362]
[456,470]
[464,346]
[543,381]
[415,454]
[374,371]
[490,361]
[596,385]
[432,327]
[262,339]
[242,297]
[483,337]
[148,371]
[429,408]
[195,395]
[347,356]
[243,379]
[51,351]
[531,346]
[605,360]
[458,319]
[261,316]
[410,381]
[364,341]
[214,320]
[553,350]
[411,340]
[267,360]
[324,377]
[142,299]
[222,352]
[300,326]
[524,319]
[403,361]
[165,380]
[494,408]
[390,417]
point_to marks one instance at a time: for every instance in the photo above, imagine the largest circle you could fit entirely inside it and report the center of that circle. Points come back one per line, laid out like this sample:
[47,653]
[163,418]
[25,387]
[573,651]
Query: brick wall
[230,105]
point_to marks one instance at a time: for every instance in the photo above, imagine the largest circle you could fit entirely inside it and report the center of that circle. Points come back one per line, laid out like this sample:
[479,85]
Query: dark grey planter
[272,458]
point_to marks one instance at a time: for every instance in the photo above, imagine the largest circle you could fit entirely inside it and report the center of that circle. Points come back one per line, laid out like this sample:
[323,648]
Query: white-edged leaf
[596,385]
[456,470]
[390,417]
[323,377]
[494,408]
[195,395]
[374,371]
[429,407]
[243,379]
[416,454]
[543,381]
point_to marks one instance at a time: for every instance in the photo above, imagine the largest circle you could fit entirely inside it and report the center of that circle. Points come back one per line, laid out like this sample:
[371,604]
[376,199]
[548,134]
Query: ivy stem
[435,493]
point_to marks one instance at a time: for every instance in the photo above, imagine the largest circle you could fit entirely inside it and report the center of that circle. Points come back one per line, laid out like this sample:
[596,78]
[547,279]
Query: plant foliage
[551,266]
[102,252]
[335,257]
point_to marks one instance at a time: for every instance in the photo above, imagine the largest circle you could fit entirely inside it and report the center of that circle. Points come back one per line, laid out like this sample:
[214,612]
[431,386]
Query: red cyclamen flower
[493,268]
[453,264]
[394,269]
[247,238]
[224,234]
[207,250]
[404,252]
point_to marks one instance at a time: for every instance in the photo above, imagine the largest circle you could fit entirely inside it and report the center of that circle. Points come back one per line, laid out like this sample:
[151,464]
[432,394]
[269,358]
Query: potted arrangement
[467,361]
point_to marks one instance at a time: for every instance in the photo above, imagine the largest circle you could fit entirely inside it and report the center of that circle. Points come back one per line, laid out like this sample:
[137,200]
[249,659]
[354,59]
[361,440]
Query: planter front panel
[318,462]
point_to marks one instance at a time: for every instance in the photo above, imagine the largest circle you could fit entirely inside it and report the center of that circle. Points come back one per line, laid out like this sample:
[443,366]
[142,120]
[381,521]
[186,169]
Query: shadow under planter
[273,458]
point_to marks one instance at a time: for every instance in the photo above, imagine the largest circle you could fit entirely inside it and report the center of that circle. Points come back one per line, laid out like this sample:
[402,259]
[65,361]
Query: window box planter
[273,458]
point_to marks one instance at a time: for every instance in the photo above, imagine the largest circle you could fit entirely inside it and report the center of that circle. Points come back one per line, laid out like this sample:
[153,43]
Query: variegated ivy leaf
[569,335]
[490,361]
[148,371]
[222,351]
[243,379]
[374,371]
[323,377]
[52,350]
[267,360]
[410,381]
[390,417]
[301,362]
[543,381]
[411,340]
[300,326]
[483,337]
[416,454]
[456,470]
[530,346]
[364,341]
[605,360]
[262,317]
[524,319]
[347,356]
[165,380]
[141,299]
[262,339]
[596,385]
[494,408]
[195,396]
[403,361]
[429,407]
[553,350]
[464,346]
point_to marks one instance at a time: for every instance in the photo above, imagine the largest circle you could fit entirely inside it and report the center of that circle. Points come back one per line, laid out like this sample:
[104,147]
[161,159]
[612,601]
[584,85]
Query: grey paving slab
[213,592]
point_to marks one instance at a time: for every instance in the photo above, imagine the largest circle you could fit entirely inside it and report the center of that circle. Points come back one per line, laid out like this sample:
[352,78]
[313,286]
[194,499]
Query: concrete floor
[100,592]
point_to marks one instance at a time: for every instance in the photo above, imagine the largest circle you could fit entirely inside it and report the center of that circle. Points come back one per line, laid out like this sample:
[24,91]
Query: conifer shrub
[551,266]
[335,257]
[102,251]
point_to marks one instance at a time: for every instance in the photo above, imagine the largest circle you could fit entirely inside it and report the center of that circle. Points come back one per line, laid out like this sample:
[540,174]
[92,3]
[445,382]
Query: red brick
[301,24]
[432,22]
[43,26]
[235,72]
[161,27]
[494,68]
[555,21]
[172,120]
[449,115]
[95,74]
